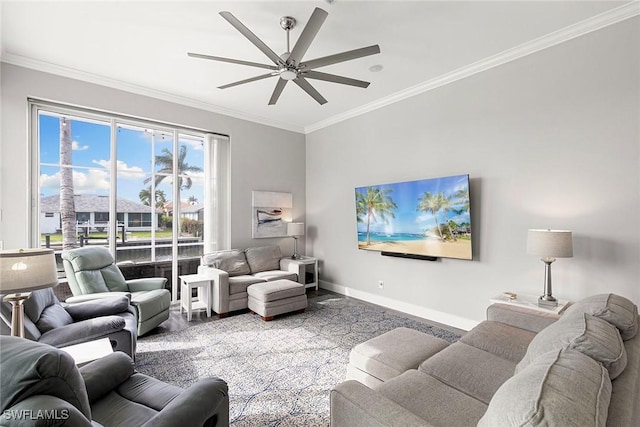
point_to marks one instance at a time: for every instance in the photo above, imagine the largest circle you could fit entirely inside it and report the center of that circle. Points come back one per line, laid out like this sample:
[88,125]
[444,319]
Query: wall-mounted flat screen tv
[429,217]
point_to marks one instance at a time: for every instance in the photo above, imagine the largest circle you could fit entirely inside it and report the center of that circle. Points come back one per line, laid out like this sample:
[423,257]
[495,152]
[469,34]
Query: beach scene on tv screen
[428,217]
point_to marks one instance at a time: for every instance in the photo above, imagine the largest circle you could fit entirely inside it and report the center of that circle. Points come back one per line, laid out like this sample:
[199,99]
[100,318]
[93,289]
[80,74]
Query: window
[166,186]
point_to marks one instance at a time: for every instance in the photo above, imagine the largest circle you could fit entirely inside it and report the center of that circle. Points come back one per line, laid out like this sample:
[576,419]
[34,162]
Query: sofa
[233,271]
[41,386]
[49,321]
[520,367]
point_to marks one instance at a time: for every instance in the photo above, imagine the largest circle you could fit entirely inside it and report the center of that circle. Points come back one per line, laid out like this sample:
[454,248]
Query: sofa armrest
[292,266]
[97,307]
[146,284]
[105,374]
[85,330]
[521,317]
[355,405]
[208,399]
[220,288]
[95,296]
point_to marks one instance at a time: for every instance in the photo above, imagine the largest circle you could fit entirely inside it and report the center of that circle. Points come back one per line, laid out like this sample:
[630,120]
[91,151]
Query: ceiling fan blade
[335,79]
[277,91]
[252,37]
[249,80]
[341,57]
[308,34]
[306,86]
[233,61]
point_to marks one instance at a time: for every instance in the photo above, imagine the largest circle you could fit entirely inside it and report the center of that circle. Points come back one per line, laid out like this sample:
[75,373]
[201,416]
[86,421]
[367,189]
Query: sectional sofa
[518,368]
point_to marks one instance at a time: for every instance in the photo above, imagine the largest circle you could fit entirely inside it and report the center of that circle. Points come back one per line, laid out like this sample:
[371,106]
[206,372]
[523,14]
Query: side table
[202,284]
[88,351]
[308,261]
[528,301]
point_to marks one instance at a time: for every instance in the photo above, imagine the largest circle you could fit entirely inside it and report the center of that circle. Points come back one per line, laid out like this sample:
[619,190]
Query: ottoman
[269,299]
[390,354]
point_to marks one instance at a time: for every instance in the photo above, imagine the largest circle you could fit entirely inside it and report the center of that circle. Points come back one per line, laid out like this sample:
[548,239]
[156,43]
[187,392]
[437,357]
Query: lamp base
[547,301]
[17,315]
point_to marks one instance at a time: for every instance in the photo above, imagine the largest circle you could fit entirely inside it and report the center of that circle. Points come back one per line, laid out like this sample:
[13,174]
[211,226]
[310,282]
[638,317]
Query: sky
[406,195]
[91,159]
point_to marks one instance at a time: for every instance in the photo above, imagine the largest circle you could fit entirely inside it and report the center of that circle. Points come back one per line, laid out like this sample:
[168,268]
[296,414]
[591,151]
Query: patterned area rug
[279,373]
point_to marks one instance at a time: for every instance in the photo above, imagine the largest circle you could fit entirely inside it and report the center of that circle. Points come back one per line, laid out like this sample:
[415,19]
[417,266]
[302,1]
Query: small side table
[190,282]
[528,301]
[86,352]
[308,261]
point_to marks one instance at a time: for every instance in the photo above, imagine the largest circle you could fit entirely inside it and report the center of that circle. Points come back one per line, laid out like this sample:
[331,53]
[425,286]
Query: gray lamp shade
[23,270]
[295,229]
[550,243]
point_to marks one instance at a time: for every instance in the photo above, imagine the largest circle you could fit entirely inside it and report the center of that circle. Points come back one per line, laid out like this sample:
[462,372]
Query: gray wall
[262,157]
[550,140]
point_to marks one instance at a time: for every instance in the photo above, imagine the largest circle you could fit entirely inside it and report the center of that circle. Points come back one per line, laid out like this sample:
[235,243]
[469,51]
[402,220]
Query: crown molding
[62,71]
[578,29]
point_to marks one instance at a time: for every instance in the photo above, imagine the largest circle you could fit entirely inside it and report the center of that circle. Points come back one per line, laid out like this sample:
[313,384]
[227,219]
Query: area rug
[279,373]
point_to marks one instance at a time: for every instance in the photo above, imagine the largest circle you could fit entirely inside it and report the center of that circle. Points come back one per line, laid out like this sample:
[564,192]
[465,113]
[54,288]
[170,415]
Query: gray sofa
[233,271]
[519,368]
[41,386]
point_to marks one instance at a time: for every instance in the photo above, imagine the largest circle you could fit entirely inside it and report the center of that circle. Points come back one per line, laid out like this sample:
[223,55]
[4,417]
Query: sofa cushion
[590,335]
[613,308]
[264,258]
[560,388]
[270,275]
[239,284]
[500,339]
[470,370]
[232,261]
[431,400]
[394,352]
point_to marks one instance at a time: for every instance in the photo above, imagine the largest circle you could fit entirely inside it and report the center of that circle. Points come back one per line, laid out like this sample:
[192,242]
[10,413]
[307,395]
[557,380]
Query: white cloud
[91,182]
[124,170]
[75,146]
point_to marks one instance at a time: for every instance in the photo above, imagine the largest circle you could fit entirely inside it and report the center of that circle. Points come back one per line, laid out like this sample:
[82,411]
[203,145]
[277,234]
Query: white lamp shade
[550,243]
[295,229]
[23,270]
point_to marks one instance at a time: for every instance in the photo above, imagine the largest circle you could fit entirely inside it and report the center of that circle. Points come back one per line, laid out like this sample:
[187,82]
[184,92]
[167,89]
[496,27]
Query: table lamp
[295,230]
[22,271]
[549,244]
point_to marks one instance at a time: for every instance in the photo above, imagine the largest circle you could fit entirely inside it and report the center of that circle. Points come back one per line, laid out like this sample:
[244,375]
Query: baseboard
[412,309]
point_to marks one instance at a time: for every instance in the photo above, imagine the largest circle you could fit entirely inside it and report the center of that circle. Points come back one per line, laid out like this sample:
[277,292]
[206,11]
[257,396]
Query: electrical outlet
[380,284]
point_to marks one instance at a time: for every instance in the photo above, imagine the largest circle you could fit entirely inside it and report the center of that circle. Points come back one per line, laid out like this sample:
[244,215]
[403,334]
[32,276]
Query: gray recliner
[92,273]
[48,321]
[42,386]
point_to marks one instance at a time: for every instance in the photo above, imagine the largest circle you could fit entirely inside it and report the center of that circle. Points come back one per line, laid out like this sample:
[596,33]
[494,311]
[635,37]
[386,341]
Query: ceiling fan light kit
[290,66]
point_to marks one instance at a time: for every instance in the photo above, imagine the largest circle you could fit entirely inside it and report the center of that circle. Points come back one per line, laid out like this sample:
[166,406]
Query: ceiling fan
[290,65]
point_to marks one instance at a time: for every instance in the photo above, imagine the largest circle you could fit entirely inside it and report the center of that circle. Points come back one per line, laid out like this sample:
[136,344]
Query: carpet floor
[279,373]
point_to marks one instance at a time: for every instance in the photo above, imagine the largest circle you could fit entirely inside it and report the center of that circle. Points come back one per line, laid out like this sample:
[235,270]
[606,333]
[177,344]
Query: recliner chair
[48,321]
[42,386]
[92,273]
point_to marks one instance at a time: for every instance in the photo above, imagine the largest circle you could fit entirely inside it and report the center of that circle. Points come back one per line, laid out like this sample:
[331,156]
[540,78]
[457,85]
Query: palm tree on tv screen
[165,161]
[374,201]
[432,203]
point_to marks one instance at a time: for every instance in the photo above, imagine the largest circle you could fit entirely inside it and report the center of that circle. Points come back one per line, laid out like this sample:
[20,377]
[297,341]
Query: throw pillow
[232,261]
[615,309]
[589,335]
[560,388]
[264,258]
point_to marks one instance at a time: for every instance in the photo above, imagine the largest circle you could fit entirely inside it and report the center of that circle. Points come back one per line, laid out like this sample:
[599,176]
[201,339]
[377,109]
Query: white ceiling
[141,46]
